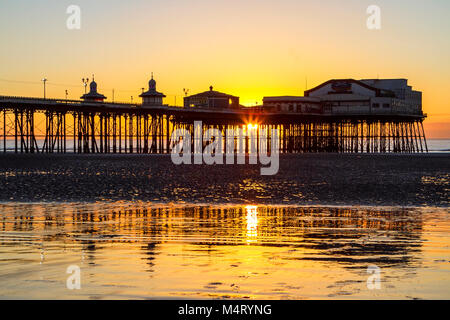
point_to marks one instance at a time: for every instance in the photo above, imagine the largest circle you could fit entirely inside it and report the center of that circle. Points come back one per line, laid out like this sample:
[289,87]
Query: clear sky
[249,48]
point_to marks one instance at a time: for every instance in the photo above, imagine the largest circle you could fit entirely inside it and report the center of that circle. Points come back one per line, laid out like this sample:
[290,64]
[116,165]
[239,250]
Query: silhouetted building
[93,95]
[212,99]
[349,96]
[152,97]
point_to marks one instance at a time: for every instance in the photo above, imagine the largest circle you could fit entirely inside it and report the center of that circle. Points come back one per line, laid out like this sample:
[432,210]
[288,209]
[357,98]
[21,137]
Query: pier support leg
[4,130]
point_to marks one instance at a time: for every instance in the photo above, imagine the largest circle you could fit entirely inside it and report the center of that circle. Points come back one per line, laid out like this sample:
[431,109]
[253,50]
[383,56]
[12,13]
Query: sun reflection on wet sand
[139,250]
[252,223]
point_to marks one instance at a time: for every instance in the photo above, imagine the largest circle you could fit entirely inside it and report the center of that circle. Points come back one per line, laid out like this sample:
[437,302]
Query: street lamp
[44,81]
[85,83]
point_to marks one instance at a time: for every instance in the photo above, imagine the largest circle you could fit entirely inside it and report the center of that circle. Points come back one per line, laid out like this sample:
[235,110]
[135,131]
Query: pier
[35,125]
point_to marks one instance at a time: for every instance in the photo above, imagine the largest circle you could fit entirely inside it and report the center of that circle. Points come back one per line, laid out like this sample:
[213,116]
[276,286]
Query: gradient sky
[249,48]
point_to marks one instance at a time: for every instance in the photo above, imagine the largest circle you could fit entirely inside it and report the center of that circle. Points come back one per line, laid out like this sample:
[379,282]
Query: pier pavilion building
[349,96]
[93,95]
[151,97]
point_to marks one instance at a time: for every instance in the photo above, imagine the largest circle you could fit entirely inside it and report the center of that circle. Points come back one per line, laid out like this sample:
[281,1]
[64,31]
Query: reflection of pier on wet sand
[129,250]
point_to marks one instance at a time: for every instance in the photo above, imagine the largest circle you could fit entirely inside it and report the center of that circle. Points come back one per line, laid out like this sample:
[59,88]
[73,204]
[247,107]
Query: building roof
[211,94]
[362,84]
[152,93]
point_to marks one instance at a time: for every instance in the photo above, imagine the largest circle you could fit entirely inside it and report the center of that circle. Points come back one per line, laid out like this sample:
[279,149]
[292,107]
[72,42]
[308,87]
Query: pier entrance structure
[349,116]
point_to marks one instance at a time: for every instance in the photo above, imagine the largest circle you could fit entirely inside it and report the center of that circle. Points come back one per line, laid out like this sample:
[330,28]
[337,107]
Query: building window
[386,105]
[376,105]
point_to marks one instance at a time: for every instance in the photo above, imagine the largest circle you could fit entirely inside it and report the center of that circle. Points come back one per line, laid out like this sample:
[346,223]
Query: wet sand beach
[142,251]
[139,227]
[303,179]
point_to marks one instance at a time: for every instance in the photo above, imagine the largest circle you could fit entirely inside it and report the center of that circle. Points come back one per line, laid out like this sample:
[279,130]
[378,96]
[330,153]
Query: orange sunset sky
[251,48]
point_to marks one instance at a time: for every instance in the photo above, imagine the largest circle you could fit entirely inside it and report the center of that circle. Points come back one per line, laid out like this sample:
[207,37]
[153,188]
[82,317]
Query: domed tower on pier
[152,97]
[93,95]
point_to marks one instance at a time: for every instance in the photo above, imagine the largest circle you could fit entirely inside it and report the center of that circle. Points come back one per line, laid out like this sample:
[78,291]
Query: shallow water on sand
[142,250]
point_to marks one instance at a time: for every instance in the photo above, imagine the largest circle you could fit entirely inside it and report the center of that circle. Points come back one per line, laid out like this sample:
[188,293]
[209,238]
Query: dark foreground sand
[328,179]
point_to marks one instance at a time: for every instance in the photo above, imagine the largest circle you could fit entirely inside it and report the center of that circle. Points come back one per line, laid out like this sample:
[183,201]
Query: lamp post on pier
[85,83]
[44,80]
